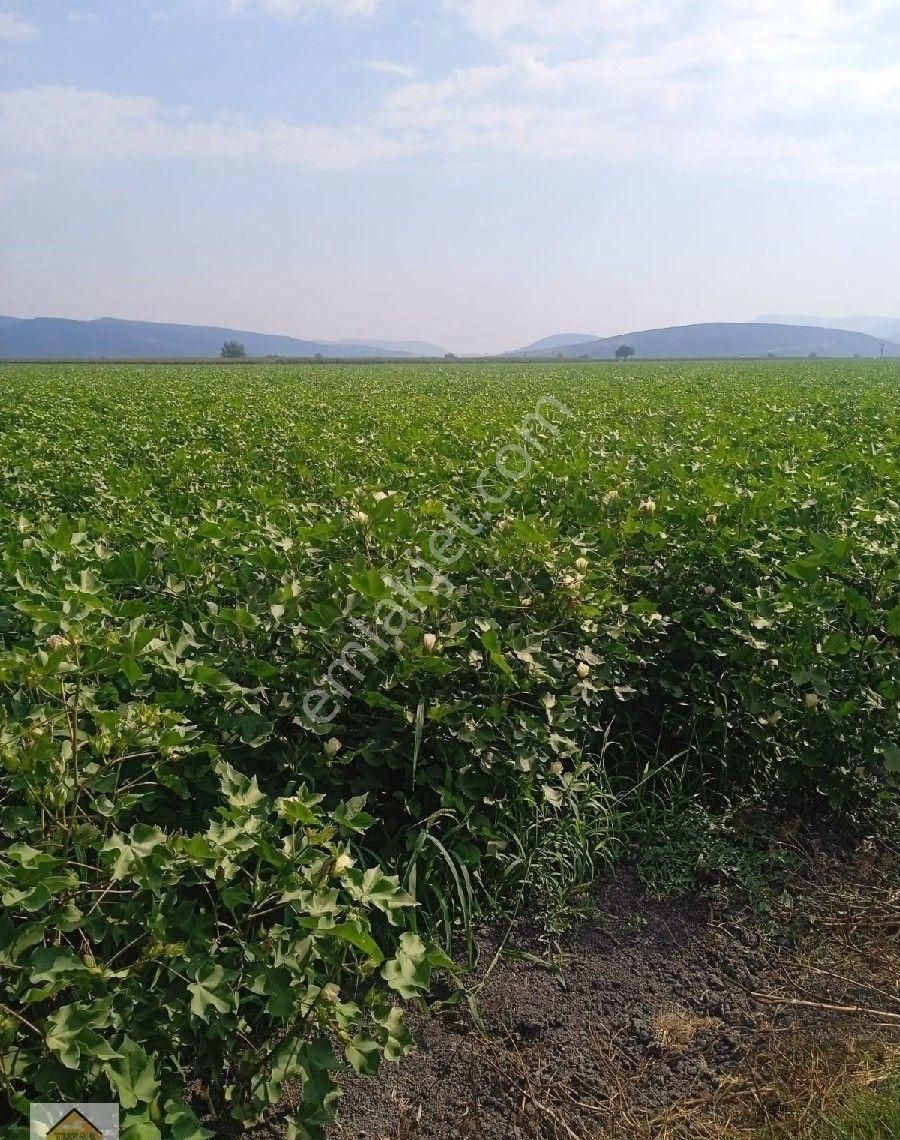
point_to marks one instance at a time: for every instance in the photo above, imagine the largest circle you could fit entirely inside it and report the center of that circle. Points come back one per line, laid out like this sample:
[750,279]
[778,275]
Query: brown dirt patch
[655,1019]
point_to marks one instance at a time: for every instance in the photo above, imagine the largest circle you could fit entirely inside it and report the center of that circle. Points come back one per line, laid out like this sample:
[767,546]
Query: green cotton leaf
[374,888]
[17,939]
[251,797]
[320,1093]
[409,974]
[254,730]
[242,618]
[289,1061]
[133,1075]
[370,584]
[29,898]
[131,669]
[197,847]
[321,1055]
[399,1040]
[836,645]
[357,936]
[57,964]
[141,1127]
[238,790]
[351,817]
[277,985]
[30,858]
[804,569]
[532,532]
[438,960]
[491,641]
[891,754]
[300,809]
[183,1123]
[364,1054]
[88,582]
[892,622]
[71,1034]
[211,989]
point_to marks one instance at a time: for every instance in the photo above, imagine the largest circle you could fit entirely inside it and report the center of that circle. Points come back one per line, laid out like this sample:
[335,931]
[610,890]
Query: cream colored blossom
[343,863]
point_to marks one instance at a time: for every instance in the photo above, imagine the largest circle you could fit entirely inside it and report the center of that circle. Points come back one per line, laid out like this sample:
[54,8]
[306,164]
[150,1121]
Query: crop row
[524,594]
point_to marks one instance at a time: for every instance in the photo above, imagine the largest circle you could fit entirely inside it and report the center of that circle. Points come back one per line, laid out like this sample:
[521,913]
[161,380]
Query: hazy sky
[473,172]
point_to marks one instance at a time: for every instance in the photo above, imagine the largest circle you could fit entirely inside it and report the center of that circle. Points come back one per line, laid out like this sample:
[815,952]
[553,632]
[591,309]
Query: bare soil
[657,1018]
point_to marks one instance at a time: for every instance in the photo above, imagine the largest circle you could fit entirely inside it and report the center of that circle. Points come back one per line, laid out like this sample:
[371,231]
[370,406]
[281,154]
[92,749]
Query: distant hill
[49,338]
[886,327]
[560,340]
[694,342]
[399,347]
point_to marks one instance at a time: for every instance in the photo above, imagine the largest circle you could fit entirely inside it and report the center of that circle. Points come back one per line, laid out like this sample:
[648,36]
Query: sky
[476,173]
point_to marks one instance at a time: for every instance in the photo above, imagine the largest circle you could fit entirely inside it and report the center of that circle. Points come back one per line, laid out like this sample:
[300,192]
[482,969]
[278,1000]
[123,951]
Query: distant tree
[624,352]
[449,356]
[318,358]
[813,356]
[770,355]
[233,350]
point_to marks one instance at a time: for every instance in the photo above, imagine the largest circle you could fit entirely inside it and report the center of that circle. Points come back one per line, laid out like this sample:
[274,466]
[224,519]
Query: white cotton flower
[360,517]
[811,700]
[430,642]
[648,506]
[581,565]
[332,746]
[343,863]
[584,670]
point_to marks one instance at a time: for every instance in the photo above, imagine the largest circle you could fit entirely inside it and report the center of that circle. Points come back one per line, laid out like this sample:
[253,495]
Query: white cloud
[807,89]
[811,87]
[389,67]
[302,7]
[67,123]
[13,29]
